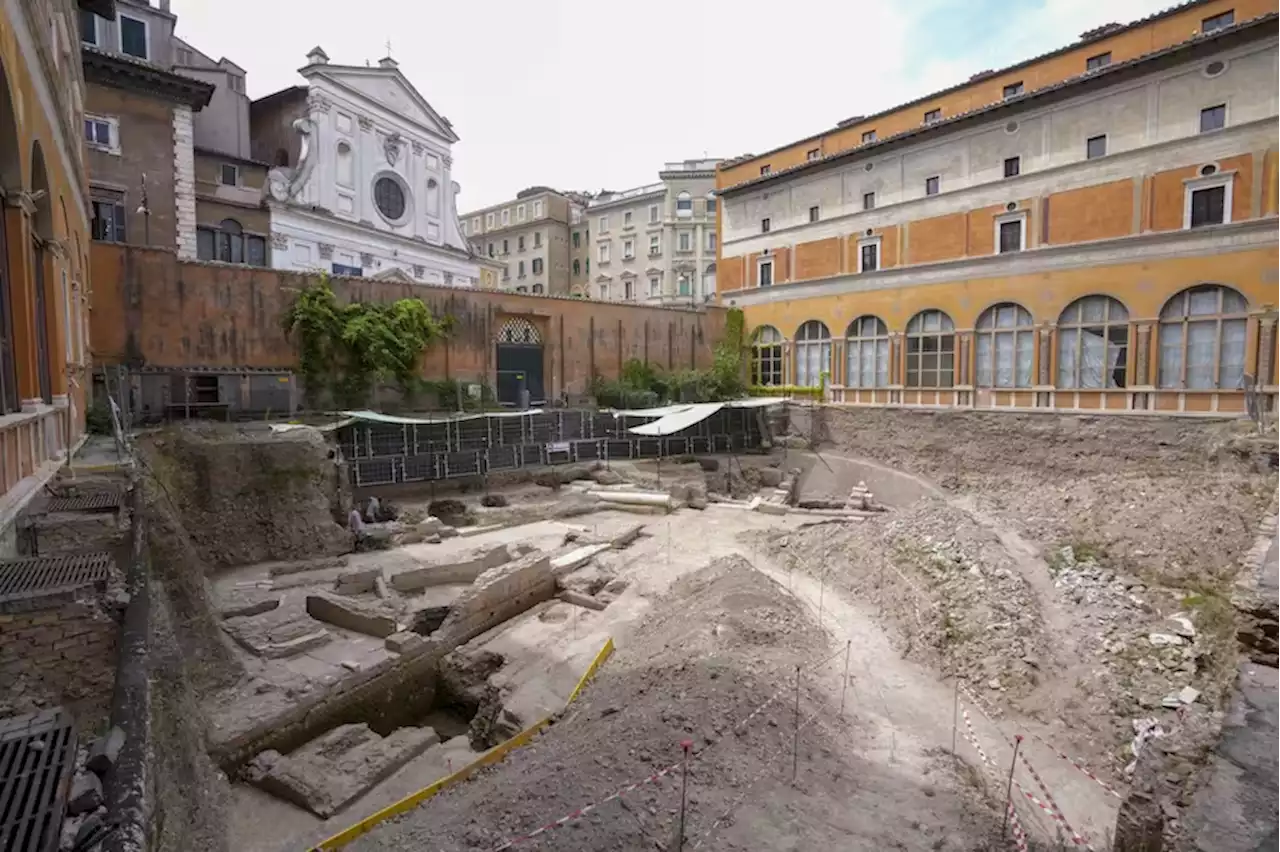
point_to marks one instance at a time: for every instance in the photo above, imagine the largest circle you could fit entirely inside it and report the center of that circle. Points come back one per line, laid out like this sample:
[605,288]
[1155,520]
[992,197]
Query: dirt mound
[723,641]
[945,582]
[246,495]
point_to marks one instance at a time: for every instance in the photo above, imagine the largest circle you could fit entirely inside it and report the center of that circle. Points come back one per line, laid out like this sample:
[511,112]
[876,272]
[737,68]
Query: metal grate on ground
[37,576]
[100,501]
[37,759]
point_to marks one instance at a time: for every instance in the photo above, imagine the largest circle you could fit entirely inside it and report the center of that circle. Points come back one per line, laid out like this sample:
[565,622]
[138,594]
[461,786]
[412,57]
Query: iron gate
[519,362]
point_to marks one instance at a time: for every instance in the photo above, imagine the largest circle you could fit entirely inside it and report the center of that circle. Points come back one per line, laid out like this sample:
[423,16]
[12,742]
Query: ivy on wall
[346,351]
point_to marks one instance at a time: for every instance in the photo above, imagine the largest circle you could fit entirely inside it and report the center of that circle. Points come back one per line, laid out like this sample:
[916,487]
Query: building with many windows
[1091,229]
[654,243]
[529,237]
[44,248]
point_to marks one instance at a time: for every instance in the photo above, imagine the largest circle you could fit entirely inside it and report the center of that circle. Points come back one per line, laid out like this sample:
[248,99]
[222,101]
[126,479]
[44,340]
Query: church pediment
[388,88]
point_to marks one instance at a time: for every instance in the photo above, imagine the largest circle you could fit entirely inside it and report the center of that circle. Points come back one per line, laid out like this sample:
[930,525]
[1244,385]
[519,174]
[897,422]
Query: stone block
[350,615]
[404,642]
[357,582]
[771,508]
[105,751]
[244,605]
[579,599]
[770,477]
[86,794]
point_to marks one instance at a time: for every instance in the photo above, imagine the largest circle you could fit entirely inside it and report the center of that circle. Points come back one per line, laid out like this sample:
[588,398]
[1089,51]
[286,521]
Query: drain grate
[98,501]
[37,759]
[45,575]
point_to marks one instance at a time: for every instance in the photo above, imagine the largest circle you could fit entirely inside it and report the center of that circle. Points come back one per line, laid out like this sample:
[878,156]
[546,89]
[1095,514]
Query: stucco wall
[150,309]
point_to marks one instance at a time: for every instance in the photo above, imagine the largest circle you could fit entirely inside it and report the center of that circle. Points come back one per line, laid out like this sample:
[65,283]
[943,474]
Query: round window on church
[389,196]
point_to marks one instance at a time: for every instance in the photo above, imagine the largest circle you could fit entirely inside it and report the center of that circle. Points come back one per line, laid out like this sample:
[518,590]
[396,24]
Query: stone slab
[579,599]
[358,582]
[350,615]
[277,634]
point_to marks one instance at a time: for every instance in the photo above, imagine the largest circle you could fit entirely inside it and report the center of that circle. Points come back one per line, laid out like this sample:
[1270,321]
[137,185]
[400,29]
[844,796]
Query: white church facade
[361,181]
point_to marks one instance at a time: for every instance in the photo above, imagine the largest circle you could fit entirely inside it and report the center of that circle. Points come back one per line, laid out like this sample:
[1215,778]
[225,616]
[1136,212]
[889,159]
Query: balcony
[33,445]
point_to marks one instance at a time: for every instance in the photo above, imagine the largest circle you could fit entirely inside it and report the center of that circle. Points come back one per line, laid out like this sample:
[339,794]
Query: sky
[584,95]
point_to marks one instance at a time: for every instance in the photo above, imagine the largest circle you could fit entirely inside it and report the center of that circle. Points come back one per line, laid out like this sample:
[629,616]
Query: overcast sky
[591,94]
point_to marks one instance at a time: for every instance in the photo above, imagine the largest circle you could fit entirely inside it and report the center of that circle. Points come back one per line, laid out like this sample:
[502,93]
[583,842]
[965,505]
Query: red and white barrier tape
[1015,825]
[1051,808]
[777,694]
[583,811]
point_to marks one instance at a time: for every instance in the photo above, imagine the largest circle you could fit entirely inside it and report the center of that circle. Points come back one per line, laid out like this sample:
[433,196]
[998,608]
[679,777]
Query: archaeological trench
[227,666]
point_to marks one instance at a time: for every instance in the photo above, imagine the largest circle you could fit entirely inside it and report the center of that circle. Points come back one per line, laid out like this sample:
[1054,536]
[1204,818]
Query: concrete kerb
[493,755]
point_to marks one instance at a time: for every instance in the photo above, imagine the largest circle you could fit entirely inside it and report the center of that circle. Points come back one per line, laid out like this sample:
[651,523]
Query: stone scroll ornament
[283,183]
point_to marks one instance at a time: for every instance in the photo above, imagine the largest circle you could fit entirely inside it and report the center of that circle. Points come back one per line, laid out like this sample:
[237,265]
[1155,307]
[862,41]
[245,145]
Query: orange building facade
[1067,234]
[44,246]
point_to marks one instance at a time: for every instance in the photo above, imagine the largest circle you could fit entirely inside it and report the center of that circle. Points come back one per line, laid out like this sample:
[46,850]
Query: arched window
[228,243]
[282,157]
[537,288]
[1202,338]
[1006,343]
[931,351]
[766,357]
[346,165]
[1093,343]
[684,203]
[813,354]
[867,347]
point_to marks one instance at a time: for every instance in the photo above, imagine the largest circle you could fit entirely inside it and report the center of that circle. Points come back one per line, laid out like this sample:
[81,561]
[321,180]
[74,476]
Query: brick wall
[151,309]
[65,654]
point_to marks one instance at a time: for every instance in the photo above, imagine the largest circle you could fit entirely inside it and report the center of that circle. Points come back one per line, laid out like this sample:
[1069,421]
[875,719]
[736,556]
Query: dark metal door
[519,362]
[42,327]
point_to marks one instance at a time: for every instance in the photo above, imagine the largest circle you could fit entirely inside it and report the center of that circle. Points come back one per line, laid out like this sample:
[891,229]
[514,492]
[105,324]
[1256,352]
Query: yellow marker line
[491,756]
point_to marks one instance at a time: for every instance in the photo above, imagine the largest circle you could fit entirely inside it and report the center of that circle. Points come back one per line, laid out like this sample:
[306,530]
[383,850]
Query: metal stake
[795,741]
[955,712]
[1008,792]
[844,684]
[684,792]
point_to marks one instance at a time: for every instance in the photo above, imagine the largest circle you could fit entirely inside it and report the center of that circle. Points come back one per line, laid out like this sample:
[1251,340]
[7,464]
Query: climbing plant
[346,351]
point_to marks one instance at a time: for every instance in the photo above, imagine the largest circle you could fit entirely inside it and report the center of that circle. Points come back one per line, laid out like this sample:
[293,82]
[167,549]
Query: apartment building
[654,243]
[529,235]
[1092,229]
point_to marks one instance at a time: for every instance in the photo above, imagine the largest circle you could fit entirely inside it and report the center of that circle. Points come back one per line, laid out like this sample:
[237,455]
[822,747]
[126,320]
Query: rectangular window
[1213,118]
[537,209]
[506,217]
[814,214]
[764,170]
[1095,147]
[1012,166]
[932,115]
[536,266]
[229,175]
[604,224]
[204,244]
[1013,90]
[256,250]
[931,185]
[577,239]
[506,247]
[869,257]
[629,290]
[868,201]
[108,221]
[521,210]
[628,249]
[1102,60]
[237,82]
[604,291]
[711,240]
[626,219]
[711,206]
[766,273]
[97,132]
[520,269]
[577,267]
[655,245]
[537,239]
[1208,206]
[814,153]
[655,285]
[603,252]
[685,241]
[490,249]
[133,36]
[1217,22]
[475,225]
[653,214]
[1011,236]
[868,136]
[488,220]
[764,226]
[88,27]
[519,243]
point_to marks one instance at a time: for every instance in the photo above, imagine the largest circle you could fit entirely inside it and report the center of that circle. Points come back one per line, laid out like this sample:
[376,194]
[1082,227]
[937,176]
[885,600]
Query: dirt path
[912,711]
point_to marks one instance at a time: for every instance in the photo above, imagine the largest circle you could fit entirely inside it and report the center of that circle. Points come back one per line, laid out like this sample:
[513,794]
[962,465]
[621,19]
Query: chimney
[317,56]
[164,5]
[388,62]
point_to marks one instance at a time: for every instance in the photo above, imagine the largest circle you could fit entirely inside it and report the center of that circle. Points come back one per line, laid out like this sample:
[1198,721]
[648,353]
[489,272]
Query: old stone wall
[151,310]
[63,653]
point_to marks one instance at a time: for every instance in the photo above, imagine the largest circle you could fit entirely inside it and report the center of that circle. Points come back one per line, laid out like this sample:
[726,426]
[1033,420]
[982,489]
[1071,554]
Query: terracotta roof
[1068,86]
[1089,37]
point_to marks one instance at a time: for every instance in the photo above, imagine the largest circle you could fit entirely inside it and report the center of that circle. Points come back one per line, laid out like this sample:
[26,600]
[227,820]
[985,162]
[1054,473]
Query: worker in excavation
[355,524]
